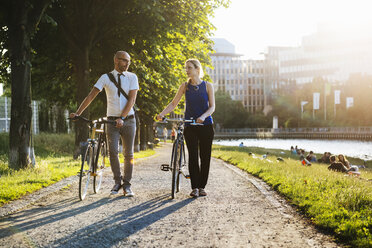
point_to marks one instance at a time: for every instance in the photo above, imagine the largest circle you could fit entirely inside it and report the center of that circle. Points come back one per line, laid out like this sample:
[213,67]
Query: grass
[334,202]
[54,162]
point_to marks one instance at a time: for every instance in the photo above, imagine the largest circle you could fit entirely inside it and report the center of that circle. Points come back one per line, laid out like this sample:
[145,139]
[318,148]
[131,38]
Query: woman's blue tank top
[197,102]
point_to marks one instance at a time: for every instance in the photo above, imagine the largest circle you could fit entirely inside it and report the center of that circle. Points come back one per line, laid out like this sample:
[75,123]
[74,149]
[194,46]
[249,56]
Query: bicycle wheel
[180,164]
[100,159]
[85,172]
[174,167]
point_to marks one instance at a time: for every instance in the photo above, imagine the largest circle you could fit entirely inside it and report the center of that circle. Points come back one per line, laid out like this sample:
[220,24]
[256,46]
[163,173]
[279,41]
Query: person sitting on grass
[325,158]
[336,166]
[347,164]
[340,167]
[304,161]
[311,157]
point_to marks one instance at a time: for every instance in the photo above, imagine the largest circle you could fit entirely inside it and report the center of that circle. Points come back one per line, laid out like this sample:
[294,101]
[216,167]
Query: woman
[342,159]
[200,105]
[352,168]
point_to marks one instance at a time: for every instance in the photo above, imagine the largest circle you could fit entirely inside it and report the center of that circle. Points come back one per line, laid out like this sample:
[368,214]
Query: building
[331,53]
[242,79]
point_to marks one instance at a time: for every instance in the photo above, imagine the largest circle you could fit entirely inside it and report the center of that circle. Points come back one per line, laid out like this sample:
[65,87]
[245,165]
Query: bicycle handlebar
[192,121]
[102,120]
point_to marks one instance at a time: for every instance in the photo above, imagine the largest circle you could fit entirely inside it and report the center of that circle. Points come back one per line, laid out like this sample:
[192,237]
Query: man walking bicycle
[120,109]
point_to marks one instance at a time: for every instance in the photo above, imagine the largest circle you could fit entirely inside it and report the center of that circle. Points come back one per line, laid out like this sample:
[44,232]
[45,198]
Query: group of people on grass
[121,89]
[337,163]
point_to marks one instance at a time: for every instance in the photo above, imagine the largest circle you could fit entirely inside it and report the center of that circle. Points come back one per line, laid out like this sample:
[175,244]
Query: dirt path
[239,211]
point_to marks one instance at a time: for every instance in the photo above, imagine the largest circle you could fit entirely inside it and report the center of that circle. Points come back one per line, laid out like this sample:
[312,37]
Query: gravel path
[239,211]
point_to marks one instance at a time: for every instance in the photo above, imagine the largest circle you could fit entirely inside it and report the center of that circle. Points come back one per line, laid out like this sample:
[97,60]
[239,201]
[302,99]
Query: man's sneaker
[202,192]
[128,192]
[115,189]
[194,193]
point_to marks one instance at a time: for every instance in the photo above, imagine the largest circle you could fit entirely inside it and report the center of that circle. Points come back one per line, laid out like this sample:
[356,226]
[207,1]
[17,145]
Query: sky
[253,25]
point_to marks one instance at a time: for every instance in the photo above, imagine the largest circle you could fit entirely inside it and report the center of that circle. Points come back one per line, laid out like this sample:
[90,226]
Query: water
[350,148]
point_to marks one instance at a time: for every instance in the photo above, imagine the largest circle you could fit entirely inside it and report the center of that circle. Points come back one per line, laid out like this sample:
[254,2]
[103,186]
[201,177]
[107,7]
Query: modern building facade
[242,79]
[332,54]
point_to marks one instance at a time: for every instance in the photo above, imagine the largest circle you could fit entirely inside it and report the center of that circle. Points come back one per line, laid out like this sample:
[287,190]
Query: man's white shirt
[116,104]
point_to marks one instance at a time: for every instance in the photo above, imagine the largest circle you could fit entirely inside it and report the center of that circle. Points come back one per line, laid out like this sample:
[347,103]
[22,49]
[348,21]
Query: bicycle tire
[99,164]
[174,167]
[85,172]
[180,161]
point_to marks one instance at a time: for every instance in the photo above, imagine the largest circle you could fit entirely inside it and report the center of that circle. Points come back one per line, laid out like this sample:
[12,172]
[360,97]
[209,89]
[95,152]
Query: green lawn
[54,162]
[333,201]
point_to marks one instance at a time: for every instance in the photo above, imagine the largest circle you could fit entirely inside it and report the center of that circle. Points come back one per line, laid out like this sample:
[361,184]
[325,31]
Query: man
[120,109]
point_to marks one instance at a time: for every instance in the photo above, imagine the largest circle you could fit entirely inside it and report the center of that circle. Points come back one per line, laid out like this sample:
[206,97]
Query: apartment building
[242,79]
[332,53]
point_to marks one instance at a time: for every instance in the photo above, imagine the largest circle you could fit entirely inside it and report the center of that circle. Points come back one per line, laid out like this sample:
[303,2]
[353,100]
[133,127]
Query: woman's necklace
[195,87]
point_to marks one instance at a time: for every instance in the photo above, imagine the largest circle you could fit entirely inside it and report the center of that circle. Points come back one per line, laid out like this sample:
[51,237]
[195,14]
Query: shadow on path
[43,215]
[122,224]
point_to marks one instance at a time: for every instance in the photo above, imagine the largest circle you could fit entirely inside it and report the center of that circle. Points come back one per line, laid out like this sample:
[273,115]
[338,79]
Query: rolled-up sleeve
[101,82]
[134,82]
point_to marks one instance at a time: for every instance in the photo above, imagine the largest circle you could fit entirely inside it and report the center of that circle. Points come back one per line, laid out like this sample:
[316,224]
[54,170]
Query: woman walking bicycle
[200,105]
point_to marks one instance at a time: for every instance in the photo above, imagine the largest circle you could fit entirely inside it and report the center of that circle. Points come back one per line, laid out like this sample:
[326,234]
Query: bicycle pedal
[187,176]
[164,167]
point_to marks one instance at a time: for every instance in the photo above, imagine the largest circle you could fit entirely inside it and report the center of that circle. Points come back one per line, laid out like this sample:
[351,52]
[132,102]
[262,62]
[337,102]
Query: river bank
[335,202]
[356,149]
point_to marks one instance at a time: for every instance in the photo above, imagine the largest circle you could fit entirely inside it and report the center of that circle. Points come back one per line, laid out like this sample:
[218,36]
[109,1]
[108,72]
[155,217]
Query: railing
[298,130]
[358,133]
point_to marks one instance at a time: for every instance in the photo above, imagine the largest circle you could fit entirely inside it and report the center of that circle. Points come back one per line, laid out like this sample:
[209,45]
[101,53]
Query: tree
[19,19]
[229,113]
[160,36]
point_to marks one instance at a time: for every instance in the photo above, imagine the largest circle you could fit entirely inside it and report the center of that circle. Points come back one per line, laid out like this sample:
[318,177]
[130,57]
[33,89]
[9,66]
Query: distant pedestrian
[173,134]
[165,134]
[241,144]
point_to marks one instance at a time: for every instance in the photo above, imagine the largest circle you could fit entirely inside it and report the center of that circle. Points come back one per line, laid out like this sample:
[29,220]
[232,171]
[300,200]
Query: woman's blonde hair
[197,64]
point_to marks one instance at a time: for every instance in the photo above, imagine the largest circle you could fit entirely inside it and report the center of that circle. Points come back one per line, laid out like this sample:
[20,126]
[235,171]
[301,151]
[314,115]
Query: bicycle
[178,158]
[94,158]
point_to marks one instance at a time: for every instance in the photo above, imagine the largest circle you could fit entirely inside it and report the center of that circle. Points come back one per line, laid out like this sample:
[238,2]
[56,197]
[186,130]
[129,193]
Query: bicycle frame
[96,149]
[178,157]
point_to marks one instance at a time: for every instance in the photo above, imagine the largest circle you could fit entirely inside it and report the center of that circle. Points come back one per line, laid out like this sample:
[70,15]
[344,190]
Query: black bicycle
[94,157]
[178,158]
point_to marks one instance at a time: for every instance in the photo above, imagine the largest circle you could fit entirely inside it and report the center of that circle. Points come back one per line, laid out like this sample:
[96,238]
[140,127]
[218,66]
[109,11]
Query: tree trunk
[150,134]
[137,137]
[44,117]
[61,125]
[143,139]
[83,88]
[20,124]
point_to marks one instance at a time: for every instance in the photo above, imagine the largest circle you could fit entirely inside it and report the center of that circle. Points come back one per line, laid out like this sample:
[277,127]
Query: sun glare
[254,25]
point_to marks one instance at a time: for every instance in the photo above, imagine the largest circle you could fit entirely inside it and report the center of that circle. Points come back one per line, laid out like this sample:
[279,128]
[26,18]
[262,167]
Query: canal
[350,148]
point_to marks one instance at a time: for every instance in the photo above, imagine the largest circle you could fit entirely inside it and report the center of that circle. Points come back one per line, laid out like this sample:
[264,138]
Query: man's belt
[118,117]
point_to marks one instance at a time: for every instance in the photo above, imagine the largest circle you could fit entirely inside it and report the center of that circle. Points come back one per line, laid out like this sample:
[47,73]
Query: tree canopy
[76,40]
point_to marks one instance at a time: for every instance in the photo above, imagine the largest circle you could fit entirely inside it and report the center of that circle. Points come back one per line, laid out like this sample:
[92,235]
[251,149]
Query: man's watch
[122,118]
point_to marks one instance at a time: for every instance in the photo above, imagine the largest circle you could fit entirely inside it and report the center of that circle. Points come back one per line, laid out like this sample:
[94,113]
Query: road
[239,211]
